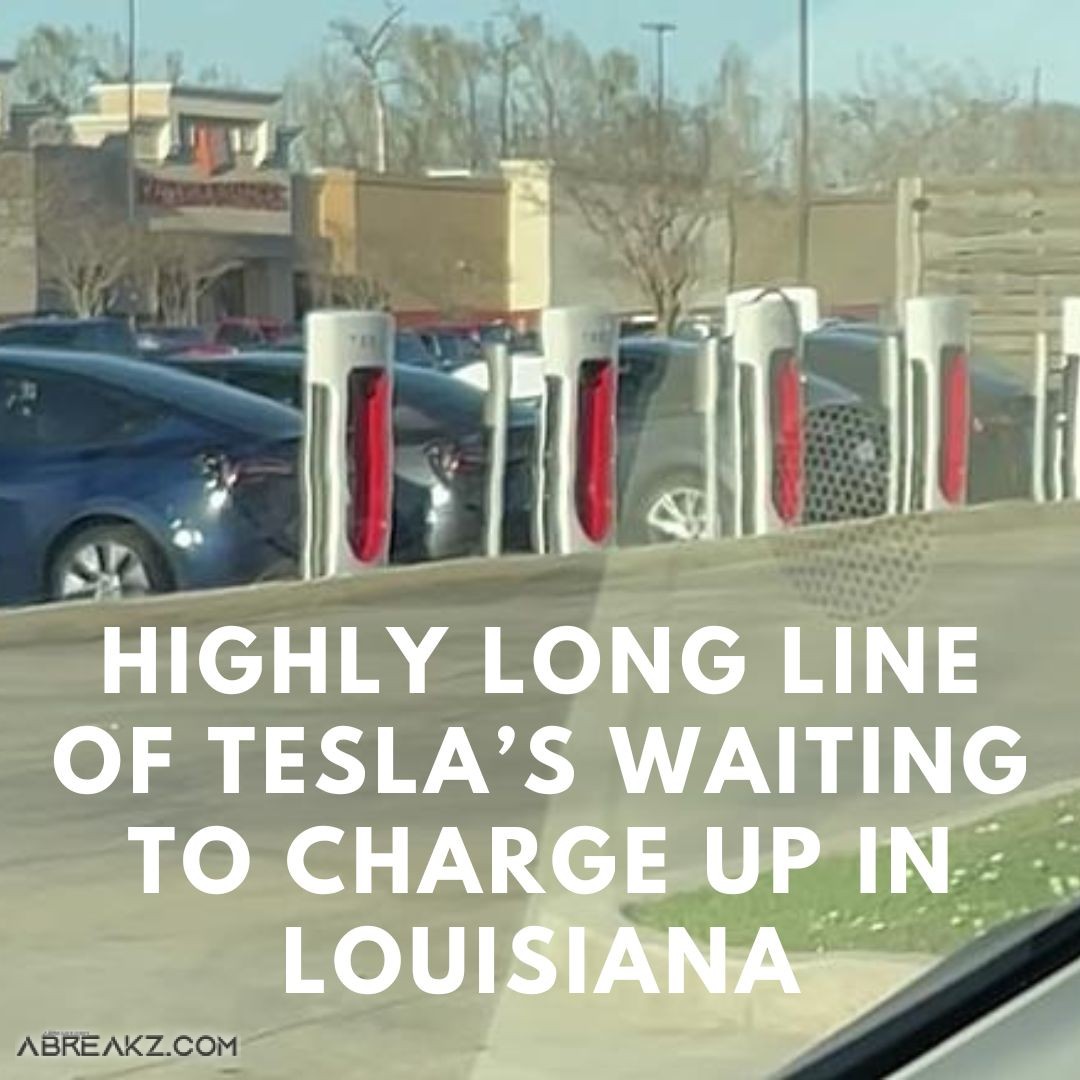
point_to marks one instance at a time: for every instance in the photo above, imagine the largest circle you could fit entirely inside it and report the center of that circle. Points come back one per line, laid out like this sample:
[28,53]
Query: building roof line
[190,90]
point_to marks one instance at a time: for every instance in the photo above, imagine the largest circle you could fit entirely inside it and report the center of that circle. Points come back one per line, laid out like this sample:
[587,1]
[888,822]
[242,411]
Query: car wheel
[107,562]
[670,510]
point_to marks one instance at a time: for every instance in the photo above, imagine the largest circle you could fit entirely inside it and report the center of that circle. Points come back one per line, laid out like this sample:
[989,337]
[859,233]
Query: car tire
[668,509]
[107,562]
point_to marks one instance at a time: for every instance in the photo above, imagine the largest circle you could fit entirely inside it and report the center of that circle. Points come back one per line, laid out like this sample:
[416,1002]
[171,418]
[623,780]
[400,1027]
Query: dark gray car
[660,466]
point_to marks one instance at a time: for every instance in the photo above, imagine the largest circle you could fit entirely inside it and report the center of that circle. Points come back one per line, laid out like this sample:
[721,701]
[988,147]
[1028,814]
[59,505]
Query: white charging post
[938,336]
[1040,385]
[707,405]
[716,401]
[895,400]
[765,345]
[348,442]
[496,420]
[1070,404]
[577,502]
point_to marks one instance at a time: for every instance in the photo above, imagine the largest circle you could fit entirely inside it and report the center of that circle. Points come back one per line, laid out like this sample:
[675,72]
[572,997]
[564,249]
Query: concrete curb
[633,568]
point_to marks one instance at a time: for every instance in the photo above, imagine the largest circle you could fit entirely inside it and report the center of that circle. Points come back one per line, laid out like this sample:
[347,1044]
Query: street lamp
[661,30]
[131,113]
[804,141]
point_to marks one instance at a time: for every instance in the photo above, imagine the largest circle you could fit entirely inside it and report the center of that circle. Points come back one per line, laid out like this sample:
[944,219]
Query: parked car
[409,348]
[440,453]
[244,331]
[526,375]
[155,342]
[119,477]
[661,481]
[99,335]
[452,347]
[1002,408]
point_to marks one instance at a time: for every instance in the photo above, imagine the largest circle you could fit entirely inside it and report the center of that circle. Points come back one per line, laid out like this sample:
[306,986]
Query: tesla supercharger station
[576,506]
[895,401]
[1070,371]
[803,297]
[938,339]
[766,347]
[348,442]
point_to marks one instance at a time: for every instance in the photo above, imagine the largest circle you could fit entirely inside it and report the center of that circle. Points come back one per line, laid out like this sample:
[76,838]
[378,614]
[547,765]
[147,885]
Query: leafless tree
[907,118]
[371,50]
[651,214]
[648,186]
[86,250]
[86,264]
[332,283]
[175,270]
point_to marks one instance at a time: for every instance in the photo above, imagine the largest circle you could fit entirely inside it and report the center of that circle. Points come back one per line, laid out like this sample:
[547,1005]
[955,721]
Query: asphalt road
[84,950]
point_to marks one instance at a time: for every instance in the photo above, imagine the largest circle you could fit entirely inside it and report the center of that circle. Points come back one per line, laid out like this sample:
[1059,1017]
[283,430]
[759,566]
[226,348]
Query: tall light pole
[131,113]
[661,30]
[804,142]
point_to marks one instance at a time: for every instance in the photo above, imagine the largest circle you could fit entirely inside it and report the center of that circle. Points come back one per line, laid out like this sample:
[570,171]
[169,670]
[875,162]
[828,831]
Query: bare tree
[371,50]
[652,217]
[85,248]
[644,184]
[175,270]
[333,111]
[331,283]
[86,264]
[503,45]
[57,65]
[908,118]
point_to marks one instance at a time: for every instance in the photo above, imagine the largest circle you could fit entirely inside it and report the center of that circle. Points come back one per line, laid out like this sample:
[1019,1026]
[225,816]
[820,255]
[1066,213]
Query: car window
[657,379]
[639,374]
[410,349]
[18,411]
[43,335]
[57,411]
[852,360]
[104,337]
[283,386]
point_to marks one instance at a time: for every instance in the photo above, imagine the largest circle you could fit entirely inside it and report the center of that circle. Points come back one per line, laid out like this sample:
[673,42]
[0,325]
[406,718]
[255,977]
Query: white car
[526,380]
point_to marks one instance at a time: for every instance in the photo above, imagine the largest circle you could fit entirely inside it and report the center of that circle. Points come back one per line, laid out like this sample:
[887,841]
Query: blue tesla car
[119,477]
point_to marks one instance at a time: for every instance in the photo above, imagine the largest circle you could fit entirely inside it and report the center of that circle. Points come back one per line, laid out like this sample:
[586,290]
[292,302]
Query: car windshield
[612,472]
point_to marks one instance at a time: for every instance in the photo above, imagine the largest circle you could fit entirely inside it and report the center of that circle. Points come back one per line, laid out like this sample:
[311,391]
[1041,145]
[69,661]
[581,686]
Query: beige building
[434,247]
[465,247]
[470,248]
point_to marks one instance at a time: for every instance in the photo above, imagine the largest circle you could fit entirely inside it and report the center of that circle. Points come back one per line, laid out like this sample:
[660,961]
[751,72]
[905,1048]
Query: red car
[243,331]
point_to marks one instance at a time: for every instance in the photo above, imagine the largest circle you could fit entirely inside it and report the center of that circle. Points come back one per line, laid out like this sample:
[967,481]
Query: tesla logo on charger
[598,338]
[368,347]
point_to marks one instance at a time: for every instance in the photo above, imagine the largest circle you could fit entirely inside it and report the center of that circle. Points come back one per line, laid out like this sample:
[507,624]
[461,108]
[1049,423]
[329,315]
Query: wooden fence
[1011,245]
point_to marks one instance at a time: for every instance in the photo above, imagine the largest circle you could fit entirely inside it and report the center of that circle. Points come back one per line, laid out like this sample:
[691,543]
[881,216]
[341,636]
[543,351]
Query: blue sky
[261,40]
